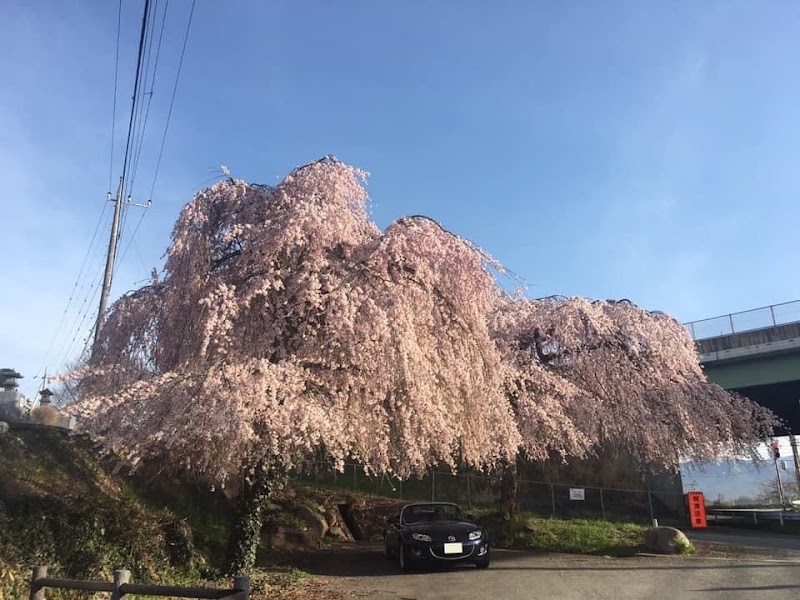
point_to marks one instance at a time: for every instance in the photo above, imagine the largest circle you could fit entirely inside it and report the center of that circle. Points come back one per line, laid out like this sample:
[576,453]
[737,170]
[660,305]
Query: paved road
[363,571]
[787,546]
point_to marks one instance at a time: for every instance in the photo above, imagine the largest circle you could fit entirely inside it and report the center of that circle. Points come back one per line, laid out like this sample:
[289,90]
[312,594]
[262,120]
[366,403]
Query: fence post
[650,503]
[602,505]
[772,312]
[730,318]
[433,486]
[120,576]
[553,501]
[242,584]
[37,592]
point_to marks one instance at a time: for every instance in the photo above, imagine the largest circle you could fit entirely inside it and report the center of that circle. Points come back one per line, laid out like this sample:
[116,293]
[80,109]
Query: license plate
[454,548]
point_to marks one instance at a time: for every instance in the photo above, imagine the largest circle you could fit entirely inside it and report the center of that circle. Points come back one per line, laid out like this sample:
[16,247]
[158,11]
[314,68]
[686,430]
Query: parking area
[362,572]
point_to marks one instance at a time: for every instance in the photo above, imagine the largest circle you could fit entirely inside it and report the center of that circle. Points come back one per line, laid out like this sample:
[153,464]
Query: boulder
[287,539]
[341,533]
[665,540]
[332,517]
[315,521]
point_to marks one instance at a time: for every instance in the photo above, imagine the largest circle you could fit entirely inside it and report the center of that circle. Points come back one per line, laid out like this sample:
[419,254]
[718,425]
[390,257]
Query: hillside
[67,504]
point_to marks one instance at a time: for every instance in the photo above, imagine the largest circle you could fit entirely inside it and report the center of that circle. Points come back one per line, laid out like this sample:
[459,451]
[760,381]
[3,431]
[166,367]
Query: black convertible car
[435,532]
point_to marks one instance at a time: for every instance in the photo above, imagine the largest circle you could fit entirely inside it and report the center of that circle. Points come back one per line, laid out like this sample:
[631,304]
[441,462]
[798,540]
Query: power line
[114,237]
[114,110]
[172,100]
[82,276]
[136,82]
[141,121]
[149,94]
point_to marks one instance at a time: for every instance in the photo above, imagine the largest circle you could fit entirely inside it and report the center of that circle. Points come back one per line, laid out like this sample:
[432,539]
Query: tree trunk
[246,533]
[509,489]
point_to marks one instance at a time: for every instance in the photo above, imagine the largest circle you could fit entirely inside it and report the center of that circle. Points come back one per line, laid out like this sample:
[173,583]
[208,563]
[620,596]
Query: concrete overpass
[756,353]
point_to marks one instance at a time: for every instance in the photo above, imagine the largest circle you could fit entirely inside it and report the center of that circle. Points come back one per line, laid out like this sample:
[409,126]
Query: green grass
[684,548]
[575,536]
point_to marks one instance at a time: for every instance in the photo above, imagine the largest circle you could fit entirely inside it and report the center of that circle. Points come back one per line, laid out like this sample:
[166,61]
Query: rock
[313,519]
[341,533]
[289,540]
[665,540]
[332,517]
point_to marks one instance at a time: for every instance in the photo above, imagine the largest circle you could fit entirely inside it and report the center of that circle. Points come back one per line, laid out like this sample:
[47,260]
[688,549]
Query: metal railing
[748,320]
[121,587]
[470,490]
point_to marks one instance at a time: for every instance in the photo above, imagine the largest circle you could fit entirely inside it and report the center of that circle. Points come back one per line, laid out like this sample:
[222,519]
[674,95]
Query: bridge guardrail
[748,320]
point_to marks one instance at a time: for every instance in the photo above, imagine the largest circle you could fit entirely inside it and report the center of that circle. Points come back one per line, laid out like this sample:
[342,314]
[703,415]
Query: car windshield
[422,513]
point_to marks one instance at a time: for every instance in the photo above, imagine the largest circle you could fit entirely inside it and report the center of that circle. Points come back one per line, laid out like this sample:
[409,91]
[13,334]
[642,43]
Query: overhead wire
[114,110]
[166,126]
[139,121]
[92,292]
[172,100]
[147,64]
[144,111]
[80,319]
[82,274]
[79,281]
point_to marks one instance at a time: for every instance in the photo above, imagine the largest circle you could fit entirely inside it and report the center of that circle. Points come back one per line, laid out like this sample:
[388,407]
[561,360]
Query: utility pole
[113,240]
[111,257]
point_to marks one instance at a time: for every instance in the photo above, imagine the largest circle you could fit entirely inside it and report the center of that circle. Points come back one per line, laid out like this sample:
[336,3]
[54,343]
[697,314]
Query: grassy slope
[64,507]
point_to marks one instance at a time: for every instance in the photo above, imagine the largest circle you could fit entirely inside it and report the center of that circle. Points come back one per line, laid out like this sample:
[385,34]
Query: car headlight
[421,537]
[474,535]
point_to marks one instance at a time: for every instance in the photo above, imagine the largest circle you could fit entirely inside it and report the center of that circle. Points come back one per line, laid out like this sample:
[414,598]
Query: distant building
[13,404]
[16,408]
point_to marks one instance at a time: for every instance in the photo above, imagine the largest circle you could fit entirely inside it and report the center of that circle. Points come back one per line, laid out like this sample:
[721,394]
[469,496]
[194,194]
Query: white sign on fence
[577,494]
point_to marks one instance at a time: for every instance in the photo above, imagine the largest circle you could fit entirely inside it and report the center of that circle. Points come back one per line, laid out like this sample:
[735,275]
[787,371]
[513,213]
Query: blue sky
[635,150]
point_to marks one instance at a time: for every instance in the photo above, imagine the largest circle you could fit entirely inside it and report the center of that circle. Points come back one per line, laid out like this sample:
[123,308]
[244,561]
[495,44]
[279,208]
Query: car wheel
[482,564]
[404,558]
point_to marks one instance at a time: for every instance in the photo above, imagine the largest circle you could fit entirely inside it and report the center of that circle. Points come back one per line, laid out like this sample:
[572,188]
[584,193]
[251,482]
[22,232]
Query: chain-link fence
[481,491]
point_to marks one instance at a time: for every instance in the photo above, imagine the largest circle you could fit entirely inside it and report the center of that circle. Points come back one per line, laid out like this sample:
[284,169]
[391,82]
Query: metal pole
[793,444]
[730,318]
[469,494]
[772,312]
[602,504]
[355,475]
[433,486]
[553,501]
[780,483]
[650,503]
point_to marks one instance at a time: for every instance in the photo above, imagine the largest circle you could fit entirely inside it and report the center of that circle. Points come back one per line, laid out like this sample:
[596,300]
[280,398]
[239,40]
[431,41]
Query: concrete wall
[746,339]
